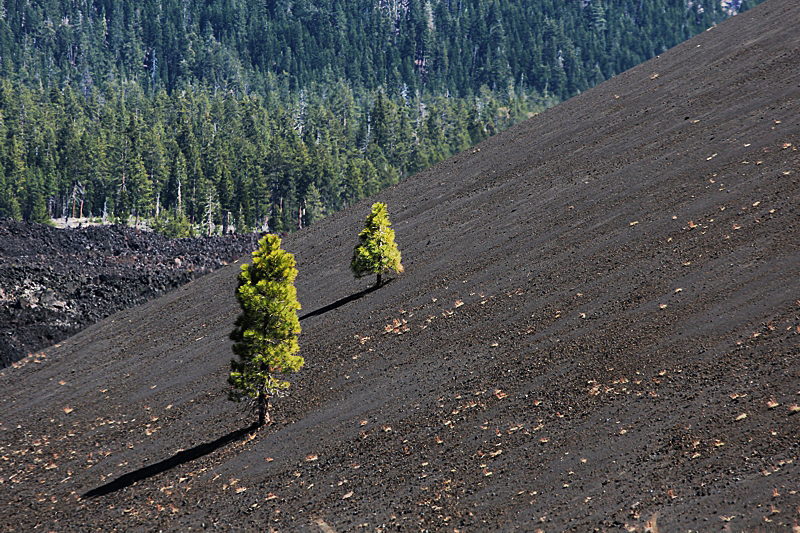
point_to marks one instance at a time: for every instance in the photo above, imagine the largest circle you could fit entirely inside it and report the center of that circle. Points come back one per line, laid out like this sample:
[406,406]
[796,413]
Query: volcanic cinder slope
[597,329]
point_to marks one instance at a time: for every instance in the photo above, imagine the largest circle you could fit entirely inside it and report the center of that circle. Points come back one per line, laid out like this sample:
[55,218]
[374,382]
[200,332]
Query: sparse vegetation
[266,332]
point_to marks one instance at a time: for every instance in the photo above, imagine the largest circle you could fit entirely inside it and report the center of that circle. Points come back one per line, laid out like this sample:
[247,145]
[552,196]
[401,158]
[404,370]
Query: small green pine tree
[174,225]
[376,251]
[265,337]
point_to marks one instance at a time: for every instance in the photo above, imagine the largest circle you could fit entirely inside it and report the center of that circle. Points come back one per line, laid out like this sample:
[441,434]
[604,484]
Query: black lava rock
[56,282]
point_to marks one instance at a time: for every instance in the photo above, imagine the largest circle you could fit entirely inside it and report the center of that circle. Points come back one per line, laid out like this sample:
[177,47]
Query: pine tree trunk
[263,409]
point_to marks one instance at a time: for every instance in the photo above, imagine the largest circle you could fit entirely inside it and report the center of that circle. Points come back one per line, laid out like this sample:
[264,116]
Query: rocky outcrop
[54,283]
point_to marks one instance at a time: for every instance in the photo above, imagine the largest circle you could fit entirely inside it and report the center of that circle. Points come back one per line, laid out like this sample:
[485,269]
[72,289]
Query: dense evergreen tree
[376,251]
[265,336]
[413,45]
[117,108]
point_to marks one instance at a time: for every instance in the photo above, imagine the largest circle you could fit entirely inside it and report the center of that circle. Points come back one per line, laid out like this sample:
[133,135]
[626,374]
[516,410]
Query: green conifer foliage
[376,251]
[265,336]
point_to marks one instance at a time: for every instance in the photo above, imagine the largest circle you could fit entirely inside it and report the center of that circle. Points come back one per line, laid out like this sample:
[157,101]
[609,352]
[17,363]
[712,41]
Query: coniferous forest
[221,114]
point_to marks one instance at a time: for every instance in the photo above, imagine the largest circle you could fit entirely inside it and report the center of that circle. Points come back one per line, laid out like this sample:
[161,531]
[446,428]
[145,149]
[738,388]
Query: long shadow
[347,300]
[162,466]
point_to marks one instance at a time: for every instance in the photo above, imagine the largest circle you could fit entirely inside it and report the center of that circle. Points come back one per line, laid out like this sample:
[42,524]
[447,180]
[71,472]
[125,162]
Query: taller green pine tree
[376,251]
[265,337]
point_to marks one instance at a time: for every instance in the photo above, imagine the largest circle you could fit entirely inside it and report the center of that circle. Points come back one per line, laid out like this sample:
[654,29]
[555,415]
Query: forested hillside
[244,113]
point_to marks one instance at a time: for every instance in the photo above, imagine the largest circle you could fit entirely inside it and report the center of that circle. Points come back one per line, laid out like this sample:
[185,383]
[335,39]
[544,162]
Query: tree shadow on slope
[162,466]
[346,300]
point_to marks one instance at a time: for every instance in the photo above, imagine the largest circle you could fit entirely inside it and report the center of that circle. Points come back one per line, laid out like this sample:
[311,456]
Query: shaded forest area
[243,114]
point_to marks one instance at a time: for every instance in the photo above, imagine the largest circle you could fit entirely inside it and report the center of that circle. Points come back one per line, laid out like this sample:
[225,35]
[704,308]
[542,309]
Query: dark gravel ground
[54,283]
[598,329]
